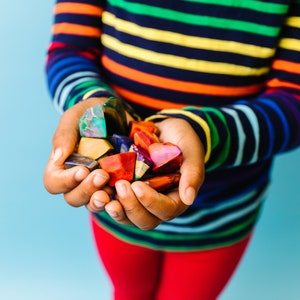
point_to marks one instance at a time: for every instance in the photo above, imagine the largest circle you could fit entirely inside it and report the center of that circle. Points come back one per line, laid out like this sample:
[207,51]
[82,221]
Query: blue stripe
[62,68]
[285,125]
[271,132]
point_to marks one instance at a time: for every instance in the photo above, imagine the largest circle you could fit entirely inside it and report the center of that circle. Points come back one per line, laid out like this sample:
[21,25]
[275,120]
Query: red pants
[139,273]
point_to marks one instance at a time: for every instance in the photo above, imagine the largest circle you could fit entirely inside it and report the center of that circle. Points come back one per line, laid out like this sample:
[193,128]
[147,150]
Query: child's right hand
[79,186]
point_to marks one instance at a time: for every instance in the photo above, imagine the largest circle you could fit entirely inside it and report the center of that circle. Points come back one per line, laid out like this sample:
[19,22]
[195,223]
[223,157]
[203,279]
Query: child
[221,80]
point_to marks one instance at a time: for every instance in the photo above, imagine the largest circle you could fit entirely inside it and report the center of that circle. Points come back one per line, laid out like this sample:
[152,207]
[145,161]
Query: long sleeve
[251,130]
[73,62]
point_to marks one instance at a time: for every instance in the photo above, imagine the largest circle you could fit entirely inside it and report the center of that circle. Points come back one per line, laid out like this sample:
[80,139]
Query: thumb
[192,177]
[56,178]
[65,139]
[67,133]
[192,170]
[181,133]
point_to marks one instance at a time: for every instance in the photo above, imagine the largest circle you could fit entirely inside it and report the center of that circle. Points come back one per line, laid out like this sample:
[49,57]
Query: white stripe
[204,212]
[167,227]
[67,89]
[241,135]
[255,126]
[62,88]
[88,94]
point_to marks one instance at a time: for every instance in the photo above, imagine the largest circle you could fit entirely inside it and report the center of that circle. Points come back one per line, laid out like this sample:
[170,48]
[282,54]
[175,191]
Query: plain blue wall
[46,250]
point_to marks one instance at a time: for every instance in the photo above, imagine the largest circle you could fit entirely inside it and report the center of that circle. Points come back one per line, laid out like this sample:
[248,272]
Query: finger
[57,179]
[83,192]
[134,210]
[98,201]
[66,135]
[192,177]
[192,169]
[65,138]
[163,207]
[115,210]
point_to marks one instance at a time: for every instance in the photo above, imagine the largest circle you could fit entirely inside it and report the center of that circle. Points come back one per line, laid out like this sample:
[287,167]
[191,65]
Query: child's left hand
[138,204]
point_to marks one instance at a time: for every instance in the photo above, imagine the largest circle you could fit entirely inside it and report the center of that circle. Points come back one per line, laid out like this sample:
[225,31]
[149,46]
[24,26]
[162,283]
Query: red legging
[139,273]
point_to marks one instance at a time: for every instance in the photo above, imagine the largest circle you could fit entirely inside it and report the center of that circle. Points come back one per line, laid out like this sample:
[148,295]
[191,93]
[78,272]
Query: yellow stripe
[186,41]
[293,22]
[155,117]
[179,62]
[290,44]
[195,118]
[88,94]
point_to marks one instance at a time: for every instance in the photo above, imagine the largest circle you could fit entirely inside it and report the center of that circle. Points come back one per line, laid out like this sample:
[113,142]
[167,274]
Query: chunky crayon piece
[163,183]
[119,166]
[94,147]
[143,161]
[167,157]
[121,143]
[144,139]
[142,126]
[76,159]
[115,117]
[92,123]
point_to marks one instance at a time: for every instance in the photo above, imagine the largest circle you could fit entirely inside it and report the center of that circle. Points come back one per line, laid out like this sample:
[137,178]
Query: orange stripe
[178,85]
[275,83]
[77,8]
[147,101]
[287,66]
[69,28]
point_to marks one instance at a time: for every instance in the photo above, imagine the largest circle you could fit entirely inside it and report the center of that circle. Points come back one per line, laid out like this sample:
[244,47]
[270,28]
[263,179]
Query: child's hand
[144,207]
[79,186]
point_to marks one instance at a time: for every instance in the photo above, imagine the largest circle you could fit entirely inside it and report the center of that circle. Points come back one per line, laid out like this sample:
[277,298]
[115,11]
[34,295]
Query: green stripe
[265,7]
[87,84]
[157,235]
[72,100]
[181,247]
[176,16]
[83,88]
[181,236]
[215,162]
[215,138]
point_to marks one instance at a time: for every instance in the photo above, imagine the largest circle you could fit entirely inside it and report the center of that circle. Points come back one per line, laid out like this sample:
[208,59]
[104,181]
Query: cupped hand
[78,184]
[140,205]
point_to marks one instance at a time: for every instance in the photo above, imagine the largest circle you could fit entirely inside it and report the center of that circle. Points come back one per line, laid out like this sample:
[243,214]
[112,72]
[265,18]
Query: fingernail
[57,154]
[80,175]
[189,196]
[121,188]
[99,179]
[137,191]
[99,204]
[113,214]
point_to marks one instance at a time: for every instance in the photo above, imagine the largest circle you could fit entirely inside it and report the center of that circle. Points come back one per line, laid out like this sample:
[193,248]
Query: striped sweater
[230,68]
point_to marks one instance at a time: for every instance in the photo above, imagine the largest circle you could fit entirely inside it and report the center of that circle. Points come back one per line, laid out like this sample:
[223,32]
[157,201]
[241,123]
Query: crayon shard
[76,159]
[119,166]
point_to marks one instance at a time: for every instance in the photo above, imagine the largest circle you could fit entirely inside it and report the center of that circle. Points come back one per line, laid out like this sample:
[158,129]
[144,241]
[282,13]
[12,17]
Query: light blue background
[46,251]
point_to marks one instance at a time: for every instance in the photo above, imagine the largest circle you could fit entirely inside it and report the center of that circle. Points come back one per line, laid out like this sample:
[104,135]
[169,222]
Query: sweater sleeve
[252,130]
[72,66]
